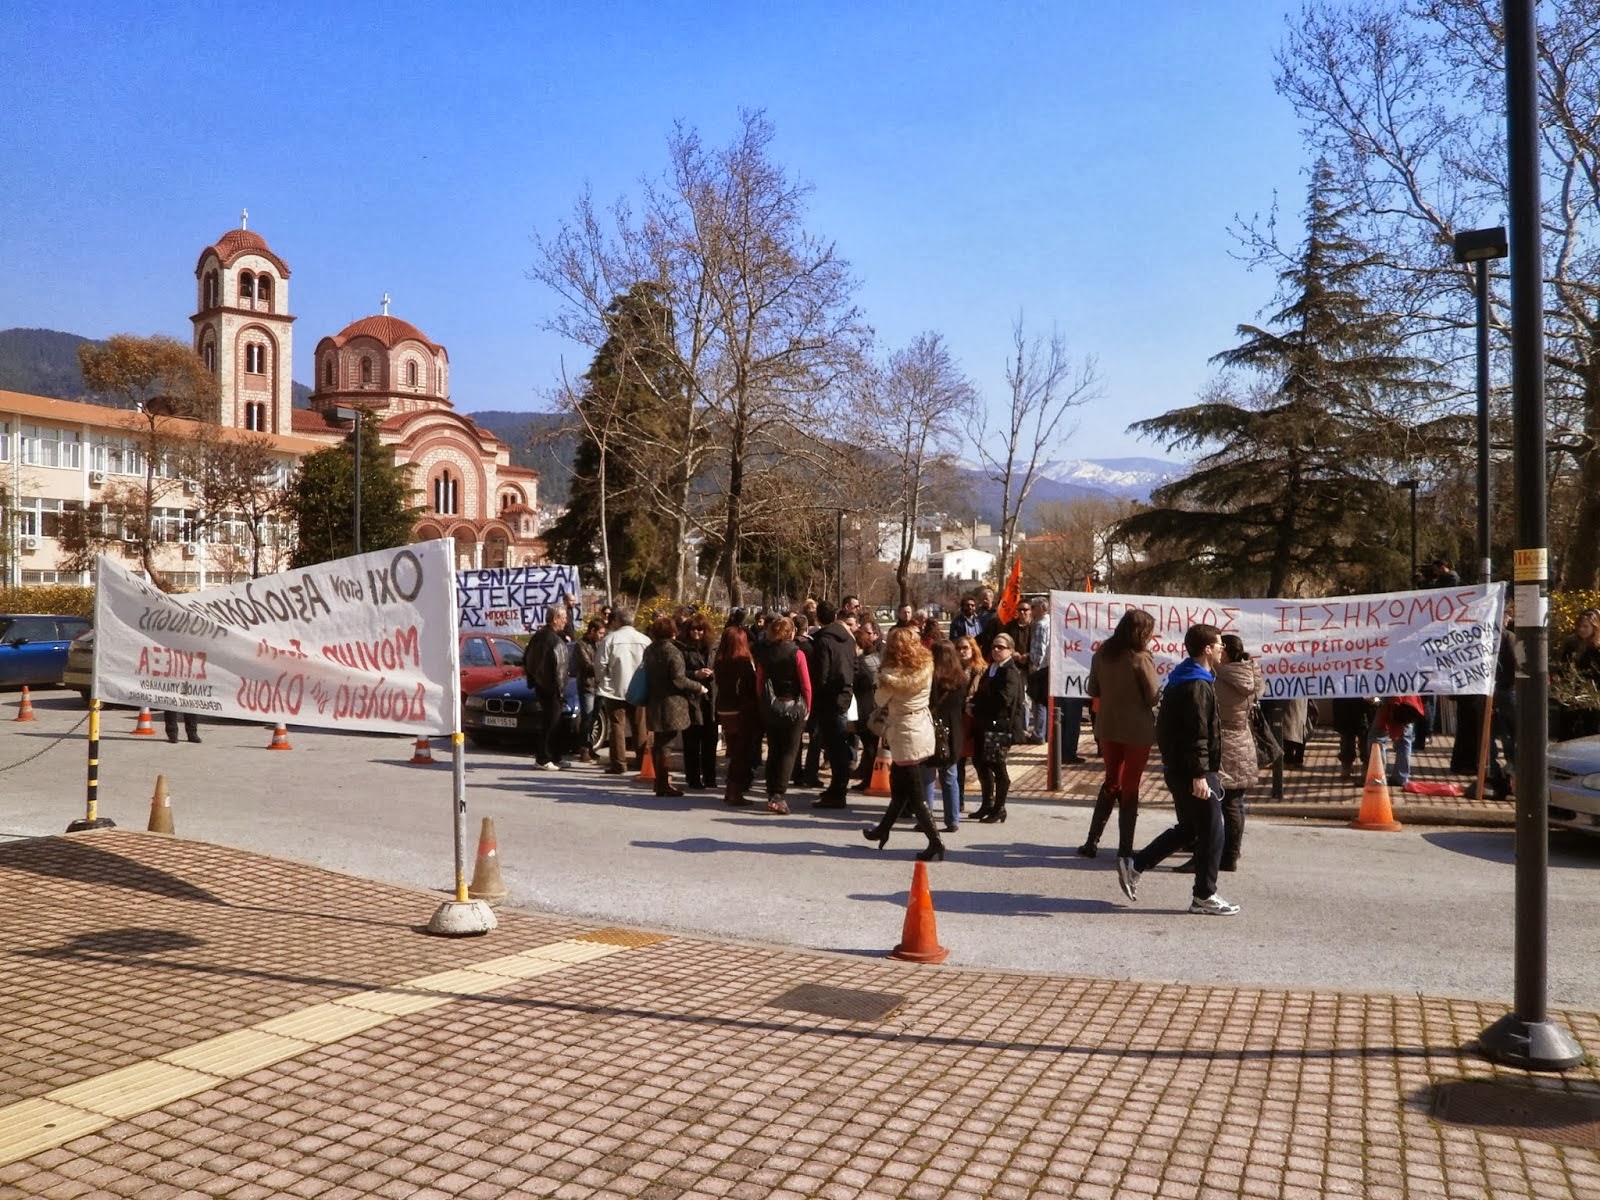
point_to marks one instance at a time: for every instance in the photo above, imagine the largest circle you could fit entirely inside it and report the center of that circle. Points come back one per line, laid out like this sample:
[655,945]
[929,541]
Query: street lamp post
[1526,1036]
[1411,485]
[345,412]
[1480,247]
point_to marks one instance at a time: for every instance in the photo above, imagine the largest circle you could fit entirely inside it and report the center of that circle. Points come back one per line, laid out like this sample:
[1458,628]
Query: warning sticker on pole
[364,643]
[1532,566]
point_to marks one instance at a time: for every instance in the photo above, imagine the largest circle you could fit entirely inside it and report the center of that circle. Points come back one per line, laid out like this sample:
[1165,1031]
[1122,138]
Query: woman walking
[1239,685]
[1122,676]
[700,739]
[947,702]
[972,662]
[782,679]
[998,716]
[735,674]
[667,696]
[903,688]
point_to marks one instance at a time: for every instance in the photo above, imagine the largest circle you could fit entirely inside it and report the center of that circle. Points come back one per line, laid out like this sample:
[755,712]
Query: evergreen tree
[322,500]
[630,407]
[1294,486]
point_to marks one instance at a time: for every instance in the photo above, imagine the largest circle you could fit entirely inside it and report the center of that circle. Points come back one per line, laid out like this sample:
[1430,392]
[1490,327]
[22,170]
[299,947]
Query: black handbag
[784,712]
[996,744]
[1268,750]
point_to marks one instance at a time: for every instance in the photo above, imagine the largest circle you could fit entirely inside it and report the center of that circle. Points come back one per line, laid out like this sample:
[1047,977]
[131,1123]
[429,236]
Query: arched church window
[255,417]
[411,373]
[247,287]
[366,370]
[264,291]
[446,494]
[255,358]
[210,297]
[327,372]
[208,355]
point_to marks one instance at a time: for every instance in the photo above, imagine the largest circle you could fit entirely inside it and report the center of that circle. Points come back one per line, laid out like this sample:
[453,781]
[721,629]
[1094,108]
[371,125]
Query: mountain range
[44,362]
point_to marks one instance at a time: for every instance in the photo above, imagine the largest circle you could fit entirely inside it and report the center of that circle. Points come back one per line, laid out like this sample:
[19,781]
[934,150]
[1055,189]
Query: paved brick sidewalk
[314,1043]
[1317,790]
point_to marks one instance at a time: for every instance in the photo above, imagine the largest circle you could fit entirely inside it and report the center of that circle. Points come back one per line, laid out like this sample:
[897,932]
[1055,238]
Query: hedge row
[54,599]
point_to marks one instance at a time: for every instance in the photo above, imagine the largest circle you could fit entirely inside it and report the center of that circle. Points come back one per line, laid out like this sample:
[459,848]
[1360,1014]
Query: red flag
[1007,611]
[1088,582]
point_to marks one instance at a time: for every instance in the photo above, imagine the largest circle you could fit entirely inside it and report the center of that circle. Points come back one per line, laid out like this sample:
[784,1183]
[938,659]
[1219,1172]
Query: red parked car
[488,659]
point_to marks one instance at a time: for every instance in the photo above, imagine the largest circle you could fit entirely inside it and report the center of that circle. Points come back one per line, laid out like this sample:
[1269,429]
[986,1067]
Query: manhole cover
[1540,1114]
[845,1003]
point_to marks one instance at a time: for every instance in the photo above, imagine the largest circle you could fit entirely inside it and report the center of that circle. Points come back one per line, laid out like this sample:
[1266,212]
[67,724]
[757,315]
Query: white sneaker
[549,766]
[1213,906]
[1128,878]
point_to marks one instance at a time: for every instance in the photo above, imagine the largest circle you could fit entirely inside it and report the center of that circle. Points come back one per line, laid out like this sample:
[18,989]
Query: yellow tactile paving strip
[56,1118]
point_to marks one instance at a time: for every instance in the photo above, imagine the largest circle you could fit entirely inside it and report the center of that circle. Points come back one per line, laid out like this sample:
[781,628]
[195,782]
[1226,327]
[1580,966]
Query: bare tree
[918,406]
[238,475]
[1073,542]
[1409,104]
[165,382]
[1044,384]
[757,311]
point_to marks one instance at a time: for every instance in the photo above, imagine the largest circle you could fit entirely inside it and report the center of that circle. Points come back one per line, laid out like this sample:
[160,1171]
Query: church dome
[390,331]
[243,241]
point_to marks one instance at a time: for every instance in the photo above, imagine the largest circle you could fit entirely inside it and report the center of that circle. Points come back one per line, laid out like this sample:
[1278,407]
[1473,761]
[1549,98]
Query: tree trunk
[1582,568]
[605,534]
[731,529]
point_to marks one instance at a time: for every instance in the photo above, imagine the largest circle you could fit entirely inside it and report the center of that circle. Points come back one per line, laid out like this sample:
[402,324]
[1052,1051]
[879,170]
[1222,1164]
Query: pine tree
[1293,490]
[322,500]
[630,408]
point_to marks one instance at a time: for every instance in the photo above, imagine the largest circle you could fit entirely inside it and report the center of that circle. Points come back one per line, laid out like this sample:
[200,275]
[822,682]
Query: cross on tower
[244,218]
[386,304]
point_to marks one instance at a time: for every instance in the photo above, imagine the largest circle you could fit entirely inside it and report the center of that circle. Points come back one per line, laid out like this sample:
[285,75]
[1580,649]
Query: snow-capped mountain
[1126,478]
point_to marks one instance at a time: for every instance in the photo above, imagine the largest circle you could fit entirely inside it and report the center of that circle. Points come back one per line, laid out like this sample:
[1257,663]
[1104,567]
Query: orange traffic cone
[879,785]
[25,709]
[144,728]
[647,771]
[160,808]
[280,738]
[1375,810]
[919,938]
[486,882]
[423,755]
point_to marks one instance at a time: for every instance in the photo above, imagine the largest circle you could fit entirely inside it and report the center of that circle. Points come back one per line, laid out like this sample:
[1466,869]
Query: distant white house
[966,565]
[889,546]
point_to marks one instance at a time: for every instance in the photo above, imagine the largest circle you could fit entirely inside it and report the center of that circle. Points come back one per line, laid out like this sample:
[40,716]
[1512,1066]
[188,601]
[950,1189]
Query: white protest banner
[511,599]
[1441,642]
[366,643]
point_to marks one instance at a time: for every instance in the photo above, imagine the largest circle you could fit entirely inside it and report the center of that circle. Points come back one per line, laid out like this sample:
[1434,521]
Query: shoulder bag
[1268,751]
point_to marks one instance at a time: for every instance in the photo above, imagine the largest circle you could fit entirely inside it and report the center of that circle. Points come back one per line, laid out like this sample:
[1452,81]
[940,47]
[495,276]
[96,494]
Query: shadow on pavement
[79,862]
[1010,904]
[1568,848]
[1207,1051]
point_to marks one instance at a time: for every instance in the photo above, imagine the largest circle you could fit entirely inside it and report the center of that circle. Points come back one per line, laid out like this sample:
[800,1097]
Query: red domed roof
[242,241]
[391,331]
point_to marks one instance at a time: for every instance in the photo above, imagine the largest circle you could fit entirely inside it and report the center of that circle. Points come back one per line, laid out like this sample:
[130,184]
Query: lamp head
[1476,245]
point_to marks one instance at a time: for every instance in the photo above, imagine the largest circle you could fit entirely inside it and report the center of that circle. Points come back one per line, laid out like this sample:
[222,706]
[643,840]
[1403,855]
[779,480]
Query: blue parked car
[33,648]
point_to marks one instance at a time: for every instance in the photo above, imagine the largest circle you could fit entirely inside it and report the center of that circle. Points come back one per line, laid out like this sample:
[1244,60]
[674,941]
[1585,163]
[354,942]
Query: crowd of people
[822,689]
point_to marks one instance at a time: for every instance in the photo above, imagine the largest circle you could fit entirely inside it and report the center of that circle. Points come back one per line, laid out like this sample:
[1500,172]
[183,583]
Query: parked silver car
[1575,784]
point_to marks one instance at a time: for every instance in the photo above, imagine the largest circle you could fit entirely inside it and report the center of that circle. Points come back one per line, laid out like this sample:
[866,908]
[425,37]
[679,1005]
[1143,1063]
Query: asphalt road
[1425,910]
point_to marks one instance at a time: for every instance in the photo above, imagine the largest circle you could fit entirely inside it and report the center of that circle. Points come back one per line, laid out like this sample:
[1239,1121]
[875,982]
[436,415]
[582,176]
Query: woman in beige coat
[904,682]
[1122,676]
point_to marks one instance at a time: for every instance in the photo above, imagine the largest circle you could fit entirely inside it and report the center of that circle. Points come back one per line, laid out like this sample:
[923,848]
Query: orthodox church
[381,365]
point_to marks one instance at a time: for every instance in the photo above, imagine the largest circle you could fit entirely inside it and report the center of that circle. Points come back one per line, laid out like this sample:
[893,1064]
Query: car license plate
[501,722]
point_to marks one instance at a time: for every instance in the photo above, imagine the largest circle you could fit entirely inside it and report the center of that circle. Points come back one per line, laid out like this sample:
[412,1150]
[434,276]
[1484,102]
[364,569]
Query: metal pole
[358,481]
[838,552]
[458,787]
[1526,1037]
[91,807]
[1482,282]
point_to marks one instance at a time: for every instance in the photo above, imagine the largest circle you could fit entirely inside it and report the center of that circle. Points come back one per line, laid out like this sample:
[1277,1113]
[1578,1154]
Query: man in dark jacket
[546,664]
[1189,732]
[833,682]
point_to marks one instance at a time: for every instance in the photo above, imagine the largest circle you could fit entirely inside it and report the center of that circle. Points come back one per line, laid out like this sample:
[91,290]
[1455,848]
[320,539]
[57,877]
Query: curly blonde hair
[903,650]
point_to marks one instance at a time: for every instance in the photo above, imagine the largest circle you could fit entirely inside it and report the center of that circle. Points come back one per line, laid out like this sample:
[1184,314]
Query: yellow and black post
[91,814]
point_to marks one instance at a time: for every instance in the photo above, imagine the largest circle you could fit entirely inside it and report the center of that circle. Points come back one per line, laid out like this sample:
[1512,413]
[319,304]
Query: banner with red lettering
[1443,641]
[363,643]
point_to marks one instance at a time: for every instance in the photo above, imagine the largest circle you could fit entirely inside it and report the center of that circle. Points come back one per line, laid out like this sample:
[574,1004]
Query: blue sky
[1078,163]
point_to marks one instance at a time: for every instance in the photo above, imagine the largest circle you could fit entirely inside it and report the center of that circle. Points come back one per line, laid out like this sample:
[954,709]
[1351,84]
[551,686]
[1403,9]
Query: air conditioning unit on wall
[29,542]
[96,478]
[190,550]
